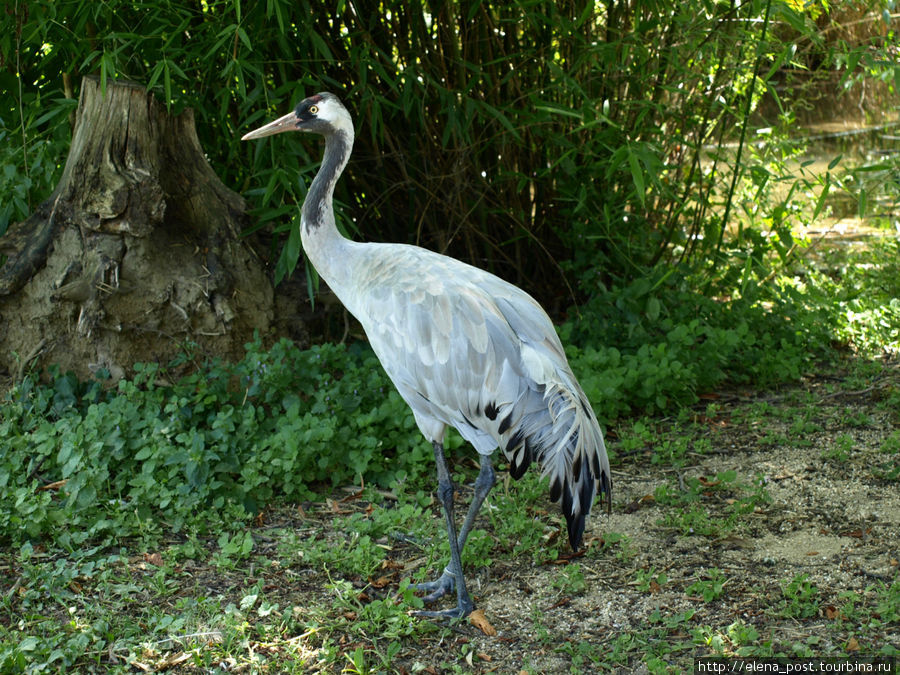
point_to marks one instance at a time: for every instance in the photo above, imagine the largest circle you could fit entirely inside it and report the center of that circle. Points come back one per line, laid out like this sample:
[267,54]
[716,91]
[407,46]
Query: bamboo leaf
[820,202]
[274,7]
[320,46]
[104,66]
[637,175]
[559,110]
[167,82]
[155,74]
[242,35]
[290,254]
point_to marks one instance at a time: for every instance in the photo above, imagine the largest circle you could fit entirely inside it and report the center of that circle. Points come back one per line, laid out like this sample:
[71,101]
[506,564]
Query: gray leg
[447,581]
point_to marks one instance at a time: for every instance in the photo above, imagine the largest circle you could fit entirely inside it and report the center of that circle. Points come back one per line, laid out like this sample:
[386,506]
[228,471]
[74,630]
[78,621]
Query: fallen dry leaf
[154,559]
[857,534]
[638,503]
[174,660]
[480,622]
[56,485]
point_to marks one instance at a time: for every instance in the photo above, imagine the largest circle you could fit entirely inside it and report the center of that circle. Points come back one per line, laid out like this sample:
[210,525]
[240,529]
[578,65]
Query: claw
[438,588]
[454,613]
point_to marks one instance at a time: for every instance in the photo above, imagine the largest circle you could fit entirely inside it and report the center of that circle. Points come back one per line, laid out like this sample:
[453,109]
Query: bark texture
[135,254]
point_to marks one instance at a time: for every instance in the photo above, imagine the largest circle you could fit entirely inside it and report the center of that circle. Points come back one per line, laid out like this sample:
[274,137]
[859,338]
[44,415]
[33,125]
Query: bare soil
[817,451]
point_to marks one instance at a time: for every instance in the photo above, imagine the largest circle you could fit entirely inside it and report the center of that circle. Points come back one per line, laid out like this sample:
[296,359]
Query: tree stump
[136,253]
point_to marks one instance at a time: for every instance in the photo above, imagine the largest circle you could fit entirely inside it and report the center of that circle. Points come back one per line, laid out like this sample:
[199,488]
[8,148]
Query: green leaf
[242,34]
[28,644]
[167,83]
[322,47]
[103,73]
[820,202]
[500,117]
[637,175]
[558,110]
[653,308]
[290,254]
[155,74]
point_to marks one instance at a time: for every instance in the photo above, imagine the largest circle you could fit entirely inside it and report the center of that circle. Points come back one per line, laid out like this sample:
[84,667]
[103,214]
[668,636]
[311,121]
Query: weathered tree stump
[136,253]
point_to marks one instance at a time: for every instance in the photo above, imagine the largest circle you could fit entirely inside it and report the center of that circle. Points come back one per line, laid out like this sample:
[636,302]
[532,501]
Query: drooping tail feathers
[558,430]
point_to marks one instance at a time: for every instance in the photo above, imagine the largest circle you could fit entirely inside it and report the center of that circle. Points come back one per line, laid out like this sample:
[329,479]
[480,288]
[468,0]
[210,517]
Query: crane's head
[322,114]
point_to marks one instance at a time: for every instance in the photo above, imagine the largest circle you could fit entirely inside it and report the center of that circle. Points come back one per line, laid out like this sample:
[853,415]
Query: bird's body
[463,347]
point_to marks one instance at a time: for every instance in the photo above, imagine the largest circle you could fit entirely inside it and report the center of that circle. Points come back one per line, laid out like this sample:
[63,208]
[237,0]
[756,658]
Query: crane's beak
[287,123]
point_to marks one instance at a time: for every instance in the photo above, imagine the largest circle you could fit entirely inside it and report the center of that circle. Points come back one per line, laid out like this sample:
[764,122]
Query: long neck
[318,211]
[327,249]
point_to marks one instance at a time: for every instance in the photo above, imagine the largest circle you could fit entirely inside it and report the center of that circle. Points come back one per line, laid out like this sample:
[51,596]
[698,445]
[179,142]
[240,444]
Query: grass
[322,586]
[269,516]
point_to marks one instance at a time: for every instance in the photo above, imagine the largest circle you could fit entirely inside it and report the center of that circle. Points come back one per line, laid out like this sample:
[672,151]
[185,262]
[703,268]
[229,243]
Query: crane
[464,348]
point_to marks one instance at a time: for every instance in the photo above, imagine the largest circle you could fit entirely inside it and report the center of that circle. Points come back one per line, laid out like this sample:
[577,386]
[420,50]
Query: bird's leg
[464,604]
[483,484]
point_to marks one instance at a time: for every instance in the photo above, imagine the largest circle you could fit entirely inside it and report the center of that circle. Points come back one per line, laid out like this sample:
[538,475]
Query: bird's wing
[437,336]
[467,349]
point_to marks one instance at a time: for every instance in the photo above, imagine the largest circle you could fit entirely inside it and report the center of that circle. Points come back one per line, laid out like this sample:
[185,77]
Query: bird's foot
[436,589]
[458,612]
[443,585]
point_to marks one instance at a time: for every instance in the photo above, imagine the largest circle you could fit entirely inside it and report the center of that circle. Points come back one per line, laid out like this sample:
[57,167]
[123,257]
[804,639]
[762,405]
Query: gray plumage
[463,347]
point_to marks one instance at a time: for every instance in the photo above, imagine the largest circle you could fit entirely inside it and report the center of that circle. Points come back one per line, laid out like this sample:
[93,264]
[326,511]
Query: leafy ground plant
[322,586]
[270,514]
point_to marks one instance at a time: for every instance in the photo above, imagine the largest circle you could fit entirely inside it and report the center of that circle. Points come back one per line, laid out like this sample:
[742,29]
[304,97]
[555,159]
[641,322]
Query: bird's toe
[436,589]
[457,612]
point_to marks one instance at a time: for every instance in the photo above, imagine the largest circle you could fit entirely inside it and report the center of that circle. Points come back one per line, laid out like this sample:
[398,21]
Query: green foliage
[671,344]
[863,290]
[649,580]
[570,580]
[800,597]
[890,468]
[709,507]
[711,588]
[655,344]
[527,135]
[386,617]
[82,462]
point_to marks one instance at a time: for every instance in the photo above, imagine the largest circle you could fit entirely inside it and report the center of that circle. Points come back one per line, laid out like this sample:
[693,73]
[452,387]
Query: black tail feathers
[585,486]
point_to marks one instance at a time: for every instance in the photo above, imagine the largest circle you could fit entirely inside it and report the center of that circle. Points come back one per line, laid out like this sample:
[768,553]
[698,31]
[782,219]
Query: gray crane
[464,349]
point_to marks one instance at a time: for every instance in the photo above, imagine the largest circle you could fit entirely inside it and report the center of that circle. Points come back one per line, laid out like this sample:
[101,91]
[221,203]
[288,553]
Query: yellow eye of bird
[313,110]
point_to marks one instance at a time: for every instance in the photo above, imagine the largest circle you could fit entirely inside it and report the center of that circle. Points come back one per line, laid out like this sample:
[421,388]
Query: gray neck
[317,207]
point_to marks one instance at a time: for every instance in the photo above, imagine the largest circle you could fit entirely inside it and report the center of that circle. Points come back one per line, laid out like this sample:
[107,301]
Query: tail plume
[558,430]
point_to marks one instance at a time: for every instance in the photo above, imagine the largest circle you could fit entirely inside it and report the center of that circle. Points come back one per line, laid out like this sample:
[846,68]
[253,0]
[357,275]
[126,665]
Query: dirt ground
[829,518]
[790,499]
[814,451]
